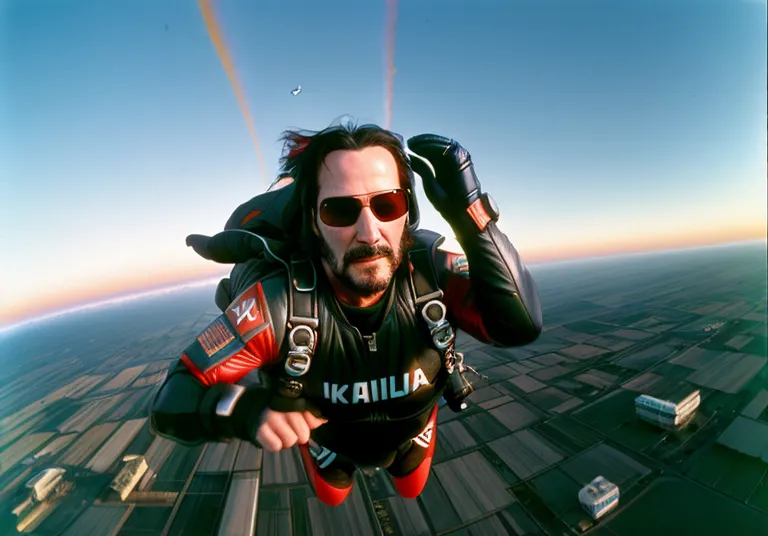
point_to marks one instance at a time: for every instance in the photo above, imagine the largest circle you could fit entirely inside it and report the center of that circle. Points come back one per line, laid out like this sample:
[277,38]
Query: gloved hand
[453,186]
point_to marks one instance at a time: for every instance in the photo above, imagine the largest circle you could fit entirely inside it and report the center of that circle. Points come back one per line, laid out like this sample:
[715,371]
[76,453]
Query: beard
[368,281]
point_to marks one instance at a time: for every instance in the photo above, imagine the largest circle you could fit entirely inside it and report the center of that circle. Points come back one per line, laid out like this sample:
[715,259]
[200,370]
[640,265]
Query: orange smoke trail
[214,32]
[390,52]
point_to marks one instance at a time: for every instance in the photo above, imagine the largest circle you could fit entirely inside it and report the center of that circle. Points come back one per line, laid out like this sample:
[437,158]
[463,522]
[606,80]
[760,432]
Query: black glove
[453,187]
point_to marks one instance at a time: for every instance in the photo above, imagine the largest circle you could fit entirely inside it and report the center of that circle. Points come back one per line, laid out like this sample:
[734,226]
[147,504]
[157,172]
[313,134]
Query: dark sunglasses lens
[340,211]
[390,206]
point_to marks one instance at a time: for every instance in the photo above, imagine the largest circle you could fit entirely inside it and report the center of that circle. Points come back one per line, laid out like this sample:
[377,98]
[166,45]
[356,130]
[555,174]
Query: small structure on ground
[134,468]
[45,488]
[670,412]
[599,497]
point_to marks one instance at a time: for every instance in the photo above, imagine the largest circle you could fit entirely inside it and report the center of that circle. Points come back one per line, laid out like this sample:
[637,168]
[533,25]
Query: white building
[41,485]
[44,488]
[134,468]
[599,497]
[673,412]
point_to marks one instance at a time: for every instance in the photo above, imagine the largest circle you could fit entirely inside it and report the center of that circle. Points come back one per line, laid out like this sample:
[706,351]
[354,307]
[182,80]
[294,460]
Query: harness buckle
[300,353]
[434,313]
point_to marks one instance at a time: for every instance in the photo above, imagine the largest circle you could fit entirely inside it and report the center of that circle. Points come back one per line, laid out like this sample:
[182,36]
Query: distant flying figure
[296,91]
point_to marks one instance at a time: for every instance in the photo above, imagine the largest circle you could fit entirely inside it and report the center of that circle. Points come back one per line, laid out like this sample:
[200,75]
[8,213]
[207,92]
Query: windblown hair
[305,151]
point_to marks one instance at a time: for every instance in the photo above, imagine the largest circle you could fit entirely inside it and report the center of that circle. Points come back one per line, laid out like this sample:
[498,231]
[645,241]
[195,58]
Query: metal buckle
[440,329]
[443,311]
[291,389]
[292,337]
[442,336]
[297,363]
[299,356]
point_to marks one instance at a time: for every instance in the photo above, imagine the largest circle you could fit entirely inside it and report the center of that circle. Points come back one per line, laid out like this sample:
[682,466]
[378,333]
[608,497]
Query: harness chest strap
[427,296]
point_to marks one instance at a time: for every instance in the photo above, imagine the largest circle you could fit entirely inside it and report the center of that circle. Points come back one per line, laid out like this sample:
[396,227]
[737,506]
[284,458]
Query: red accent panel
[248,314]
[328,494]
[264,345]
[460,302]
[411,485]
[478,214]
[194,370]
[250,216]
[259,351]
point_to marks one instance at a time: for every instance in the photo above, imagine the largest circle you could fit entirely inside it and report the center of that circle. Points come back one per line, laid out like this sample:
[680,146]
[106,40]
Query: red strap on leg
[411,485]
[327,493]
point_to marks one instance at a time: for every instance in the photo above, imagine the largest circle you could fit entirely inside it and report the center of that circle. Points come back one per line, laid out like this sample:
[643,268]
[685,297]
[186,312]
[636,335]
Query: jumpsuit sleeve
[489,291]
[205,396]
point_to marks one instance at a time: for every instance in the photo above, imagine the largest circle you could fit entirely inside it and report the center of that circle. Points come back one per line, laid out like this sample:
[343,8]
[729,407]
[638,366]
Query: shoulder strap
[423,279]
[426,291]
[428,296]
[302,304]
[303,323]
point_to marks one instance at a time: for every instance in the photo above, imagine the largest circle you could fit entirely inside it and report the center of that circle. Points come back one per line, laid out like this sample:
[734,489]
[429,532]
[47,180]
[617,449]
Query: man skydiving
[353,338]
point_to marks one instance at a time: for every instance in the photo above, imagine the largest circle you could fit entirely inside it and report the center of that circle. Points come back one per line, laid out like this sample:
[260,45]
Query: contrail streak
[390,58]
[214,32]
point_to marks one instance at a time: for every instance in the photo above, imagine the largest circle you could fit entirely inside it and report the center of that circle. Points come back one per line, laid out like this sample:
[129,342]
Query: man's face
[364,254]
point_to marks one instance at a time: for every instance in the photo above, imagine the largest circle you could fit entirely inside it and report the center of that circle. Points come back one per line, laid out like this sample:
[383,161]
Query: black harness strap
[425,286]
[302,305]
[427,295]
[303,324]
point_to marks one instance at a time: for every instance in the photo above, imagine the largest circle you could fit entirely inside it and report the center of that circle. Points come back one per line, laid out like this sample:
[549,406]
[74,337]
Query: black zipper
[370,347]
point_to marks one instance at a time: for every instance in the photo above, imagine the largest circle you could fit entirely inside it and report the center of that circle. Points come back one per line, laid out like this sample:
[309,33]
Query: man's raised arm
[488,289]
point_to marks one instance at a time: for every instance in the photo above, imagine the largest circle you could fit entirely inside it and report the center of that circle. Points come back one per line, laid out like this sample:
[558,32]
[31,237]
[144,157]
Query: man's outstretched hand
[450,184]
[280,430]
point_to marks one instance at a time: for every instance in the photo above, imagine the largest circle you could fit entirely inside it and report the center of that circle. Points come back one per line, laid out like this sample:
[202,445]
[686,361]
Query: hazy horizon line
[211,280]
[114,300]
[650,252]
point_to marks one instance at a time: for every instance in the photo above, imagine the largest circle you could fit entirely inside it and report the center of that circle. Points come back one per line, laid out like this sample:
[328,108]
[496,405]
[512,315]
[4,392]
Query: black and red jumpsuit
[375,375]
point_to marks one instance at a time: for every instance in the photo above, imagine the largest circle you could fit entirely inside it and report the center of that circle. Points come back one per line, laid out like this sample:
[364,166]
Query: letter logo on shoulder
[246,310]
[249,310]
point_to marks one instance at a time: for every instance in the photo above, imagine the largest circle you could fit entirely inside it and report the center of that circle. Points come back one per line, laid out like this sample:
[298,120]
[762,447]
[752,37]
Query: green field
[674,506]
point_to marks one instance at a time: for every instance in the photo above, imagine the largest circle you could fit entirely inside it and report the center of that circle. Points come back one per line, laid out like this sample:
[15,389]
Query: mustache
[364,252]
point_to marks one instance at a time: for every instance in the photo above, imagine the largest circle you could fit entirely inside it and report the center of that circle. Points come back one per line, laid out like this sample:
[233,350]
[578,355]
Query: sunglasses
[387,206]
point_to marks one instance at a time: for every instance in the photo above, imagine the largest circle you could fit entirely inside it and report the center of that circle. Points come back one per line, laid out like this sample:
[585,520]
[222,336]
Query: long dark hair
[304,152]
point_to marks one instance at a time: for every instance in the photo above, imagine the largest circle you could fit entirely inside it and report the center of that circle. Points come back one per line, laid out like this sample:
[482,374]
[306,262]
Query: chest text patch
[385,388]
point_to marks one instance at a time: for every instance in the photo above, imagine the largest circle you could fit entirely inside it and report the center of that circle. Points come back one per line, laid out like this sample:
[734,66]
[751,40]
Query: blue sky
[591,122]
